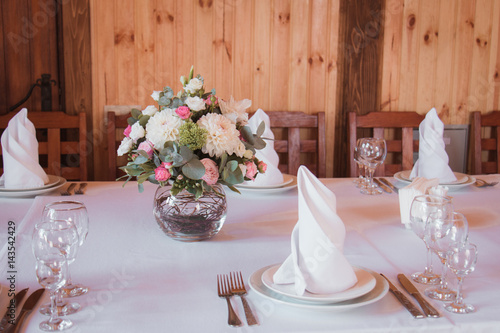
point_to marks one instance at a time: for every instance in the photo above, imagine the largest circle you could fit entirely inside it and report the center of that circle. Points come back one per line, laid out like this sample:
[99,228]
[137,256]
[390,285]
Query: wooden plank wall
[282,54]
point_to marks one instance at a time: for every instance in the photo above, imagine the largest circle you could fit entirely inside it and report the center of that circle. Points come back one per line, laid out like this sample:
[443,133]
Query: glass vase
[185,218]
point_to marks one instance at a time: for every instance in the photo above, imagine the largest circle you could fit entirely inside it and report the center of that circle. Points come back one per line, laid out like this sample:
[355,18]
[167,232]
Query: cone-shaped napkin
[317,263]
[268,155]
[21,168]
[432,158]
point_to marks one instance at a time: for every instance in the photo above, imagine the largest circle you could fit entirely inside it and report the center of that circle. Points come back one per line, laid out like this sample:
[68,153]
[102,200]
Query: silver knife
[382,185]
[388,183]
[415,312]
[28,306]
[10,314]
[429,310]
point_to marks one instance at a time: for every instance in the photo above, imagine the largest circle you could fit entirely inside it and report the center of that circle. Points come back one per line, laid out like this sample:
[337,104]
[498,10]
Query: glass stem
[444,270]
[53,306]
[68,279]
[370,177]
[459,299]
[428,268]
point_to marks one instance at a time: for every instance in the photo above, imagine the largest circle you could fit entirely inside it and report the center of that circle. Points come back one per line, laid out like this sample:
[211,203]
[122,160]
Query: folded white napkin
[432,158]
[268,155]
[21,168]
[419,186]
[317,263]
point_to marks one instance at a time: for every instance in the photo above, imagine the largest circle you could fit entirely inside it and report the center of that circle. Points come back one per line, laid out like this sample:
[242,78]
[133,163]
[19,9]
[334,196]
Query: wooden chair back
[401,146]
[486,147]
[292,145]
[115,126]
[62,151]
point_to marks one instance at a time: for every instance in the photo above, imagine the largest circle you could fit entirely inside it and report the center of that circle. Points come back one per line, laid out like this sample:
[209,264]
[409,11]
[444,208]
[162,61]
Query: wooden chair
[401,146]
[488,147]
[291,145]
[61,151]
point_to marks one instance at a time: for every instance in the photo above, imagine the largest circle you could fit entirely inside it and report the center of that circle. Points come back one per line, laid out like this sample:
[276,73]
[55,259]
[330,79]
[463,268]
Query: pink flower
[147,147]
[162,174]
[166,165]
[251,169]
[211,171]
[208,101]
[127,131]
[262,167]
[183,112]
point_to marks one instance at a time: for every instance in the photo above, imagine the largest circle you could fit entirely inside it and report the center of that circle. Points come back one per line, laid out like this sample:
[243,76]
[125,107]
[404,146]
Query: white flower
[195,103]
[163,127]
[137,131]
[223,137]
[193,86]
[156,95]
[125,146]
[149,110]
[236,111]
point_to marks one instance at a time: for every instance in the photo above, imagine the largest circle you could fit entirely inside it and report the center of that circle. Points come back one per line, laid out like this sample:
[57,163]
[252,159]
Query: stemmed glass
[443,233]
[75,212]
[421,208]
[462,261]
[360,181]
[62,236]
[372,152]
[51,273]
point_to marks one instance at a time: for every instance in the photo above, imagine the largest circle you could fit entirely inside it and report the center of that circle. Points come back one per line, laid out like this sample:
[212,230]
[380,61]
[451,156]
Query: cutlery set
[233,285]
[386,185]
[483,183]
[428,310]
[70,188]
[11,323]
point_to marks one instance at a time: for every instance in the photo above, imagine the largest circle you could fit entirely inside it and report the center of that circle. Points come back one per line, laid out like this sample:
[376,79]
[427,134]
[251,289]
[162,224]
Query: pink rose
[162,174]
[262,167]
[127,131]
[166,165]
[251,169]
[183,112]
[147,147]
[211,171]
[208,101]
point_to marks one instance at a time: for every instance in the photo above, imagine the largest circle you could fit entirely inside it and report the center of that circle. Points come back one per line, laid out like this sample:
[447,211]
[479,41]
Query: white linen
[432,157]
[418,186]
[273,175]
[318,230]
[20,154]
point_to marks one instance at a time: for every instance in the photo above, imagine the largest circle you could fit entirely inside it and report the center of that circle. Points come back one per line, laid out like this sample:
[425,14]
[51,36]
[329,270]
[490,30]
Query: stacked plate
[462,179]
[370,288]
[288,183]
[53,183]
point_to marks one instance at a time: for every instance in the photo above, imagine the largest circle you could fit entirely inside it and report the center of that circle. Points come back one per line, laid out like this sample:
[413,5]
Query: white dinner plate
[32,192]
[380,290]
[404,176]
[269,190]
[53,181]
[366,282]
[287,179]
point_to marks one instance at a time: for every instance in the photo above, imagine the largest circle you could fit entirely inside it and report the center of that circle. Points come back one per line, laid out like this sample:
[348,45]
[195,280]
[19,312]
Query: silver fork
[81,188]
[69,189]
[224,292]
[238,288]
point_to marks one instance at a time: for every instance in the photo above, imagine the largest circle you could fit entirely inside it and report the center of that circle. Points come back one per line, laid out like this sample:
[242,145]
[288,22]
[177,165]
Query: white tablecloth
[142,281]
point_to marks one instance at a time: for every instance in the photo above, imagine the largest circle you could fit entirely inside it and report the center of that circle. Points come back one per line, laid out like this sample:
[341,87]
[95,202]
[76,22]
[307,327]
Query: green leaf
[261,129]
[247,134]
[232,165]
[186,153]
[164,100]
[140,188]
[223,161]
[169,93]
[140,159]
[131,121]
[191,73]
[193,169]
[136,113]
[259,143]
[144,120]
[232,176]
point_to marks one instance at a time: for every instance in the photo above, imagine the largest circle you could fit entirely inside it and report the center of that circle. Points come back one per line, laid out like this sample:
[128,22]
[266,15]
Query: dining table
[140,280]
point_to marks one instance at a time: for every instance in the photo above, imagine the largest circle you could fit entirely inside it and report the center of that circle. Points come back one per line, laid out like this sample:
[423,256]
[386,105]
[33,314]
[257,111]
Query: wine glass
[360,181]
[462,261]
[53,236]
[372,152]
[421,208]
[51,273]
[443,233]
[76,212]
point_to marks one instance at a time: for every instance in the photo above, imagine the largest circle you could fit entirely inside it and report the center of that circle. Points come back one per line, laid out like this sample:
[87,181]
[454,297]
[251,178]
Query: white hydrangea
[125,146]
[150,110]
[137,131]
[162,127]
[195,103]
[223,137]
[156,95]
[193,86]
[236,111]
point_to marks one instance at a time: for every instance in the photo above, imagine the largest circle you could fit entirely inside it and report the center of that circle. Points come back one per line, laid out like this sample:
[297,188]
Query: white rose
[193,86]
[156,95]
[195,103]
[149,110]
[125,146]
[137,132]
